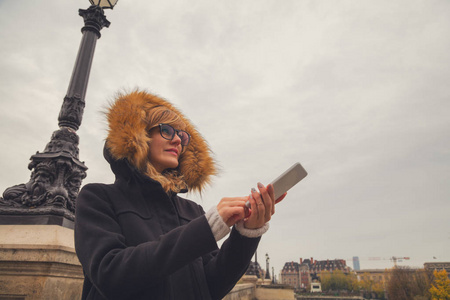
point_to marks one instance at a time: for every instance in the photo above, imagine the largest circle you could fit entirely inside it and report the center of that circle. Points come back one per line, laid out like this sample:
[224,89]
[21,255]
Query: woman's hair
[170,179]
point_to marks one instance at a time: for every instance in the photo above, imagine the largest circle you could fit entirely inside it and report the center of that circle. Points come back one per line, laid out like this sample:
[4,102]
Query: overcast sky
[356,91]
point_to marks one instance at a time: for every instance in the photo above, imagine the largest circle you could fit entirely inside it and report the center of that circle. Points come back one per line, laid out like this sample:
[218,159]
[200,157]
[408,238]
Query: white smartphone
[288,179]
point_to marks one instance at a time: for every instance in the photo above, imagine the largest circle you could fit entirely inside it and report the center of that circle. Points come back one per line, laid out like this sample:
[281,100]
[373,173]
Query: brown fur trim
[128,138]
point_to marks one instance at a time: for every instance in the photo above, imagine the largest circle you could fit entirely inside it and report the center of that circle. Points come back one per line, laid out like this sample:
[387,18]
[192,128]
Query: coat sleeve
[116,269]
[224,268]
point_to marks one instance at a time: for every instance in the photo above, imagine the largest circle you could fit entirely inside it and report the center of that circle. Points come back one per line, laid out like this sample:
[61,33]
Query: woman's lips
[173,151]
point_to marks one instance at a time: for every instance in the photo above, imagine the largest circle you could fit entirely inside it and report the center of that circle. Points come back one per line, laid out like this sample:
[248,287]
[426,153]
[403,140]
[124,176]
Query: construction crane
[394,259]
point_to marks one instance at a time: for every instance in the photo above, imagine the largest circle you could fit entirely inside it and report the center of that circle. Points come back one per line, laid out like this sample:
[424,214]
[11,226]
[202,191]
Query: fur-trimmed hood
[128,138]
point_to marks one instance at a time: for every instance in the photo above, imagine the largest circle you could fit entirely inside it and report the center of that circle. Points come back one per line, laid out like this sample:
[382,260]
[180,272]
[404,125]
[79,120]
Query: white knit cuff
[251,233]
[218,227]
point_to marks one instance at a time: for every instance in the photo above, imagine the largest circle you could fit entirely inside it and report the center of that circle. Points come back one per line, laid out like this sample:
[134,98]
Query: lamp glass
[104,3]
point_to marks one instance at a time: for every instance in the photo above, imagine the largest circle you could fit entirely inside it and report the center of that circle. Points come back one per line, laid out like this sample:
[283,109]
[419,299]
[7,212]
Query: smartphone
[284,182]
[288,179]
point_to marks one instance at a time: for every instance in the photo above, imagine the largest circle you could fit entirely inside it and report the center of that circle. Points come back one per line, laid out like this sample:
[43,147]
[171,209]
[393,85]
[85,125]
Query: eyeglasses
[168,132]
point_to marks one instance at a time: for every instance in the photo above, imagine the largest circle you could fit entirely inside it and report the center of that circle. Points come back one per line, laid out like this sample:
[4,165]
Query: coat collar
[123,170]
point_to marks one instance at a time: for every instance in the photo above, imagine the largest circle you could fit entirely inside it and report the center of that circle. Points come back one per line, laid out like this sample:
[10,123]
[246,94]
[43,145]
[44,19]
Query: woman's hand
[262,206]
[232,209]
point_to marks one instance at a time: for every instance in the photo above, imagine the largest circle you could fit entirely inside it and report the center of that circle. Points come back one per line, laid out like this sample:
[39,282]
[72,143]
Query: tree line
[400,283]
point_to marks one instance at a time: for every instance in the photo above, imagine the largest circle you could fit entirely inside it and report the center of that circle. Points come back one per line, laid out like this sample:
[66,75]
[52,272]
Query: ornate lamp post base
[49,196]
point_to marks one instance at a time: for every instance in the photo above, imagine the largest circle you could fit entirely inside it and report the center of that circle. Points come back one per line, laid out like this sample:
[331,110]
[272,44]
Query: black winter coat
[136,242]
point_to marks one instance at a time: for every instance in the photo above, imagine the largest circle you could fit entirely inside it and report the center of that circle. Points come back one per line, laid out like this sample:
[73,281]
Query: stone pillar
[39,262]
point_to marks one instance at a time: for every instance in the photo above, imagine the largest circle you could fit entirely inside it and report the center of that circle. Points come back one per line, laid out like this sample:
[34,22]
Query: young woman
[136,238]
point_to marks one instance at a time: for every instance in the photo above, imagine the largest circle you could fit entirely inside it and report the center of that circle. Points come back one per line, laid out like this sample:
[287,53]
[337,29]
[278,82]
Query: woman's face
[164,153]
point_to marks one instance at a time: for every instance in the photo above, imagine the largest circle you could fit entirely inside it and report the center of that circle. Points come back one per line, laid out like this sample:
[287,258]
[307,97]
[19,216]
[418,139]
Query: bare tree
[409,284]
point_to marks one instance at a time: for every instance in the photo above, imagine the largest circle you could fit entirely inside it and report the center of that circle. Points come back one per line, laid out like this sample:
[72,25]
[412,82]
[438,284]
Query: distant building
[303,274]
[255,269]
[290,274]
[317,266]
[375,275]
[356,263]
[438,266]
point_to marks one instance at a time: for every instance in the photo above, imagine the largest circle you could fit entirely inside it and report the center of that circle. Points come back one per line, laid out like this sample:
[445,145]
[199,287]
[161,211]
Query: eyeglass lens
[168,132]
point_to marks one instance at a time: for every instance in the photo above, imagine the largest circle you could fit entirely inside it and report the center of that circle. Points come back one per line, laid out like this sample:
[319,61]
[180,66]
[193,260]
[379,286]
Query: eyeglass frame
[175,131]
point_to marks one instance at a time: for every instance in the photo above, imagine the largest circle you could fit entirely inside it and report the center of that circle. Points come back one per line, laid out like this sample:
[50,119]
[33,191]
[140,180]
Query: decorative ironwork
[94,19]
[71,112]
[55,180]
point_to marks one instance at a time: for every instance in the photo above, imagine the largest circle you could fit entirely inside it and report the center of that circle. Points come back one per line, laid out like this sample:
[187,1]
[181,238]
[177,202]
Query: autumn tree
[337,281]
[440,289]
[371,288]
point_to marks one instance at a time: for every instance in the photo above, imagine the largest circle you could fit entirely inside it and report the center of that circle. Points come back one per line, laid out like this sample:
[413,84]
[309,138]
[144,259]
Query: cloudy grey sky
[357,91]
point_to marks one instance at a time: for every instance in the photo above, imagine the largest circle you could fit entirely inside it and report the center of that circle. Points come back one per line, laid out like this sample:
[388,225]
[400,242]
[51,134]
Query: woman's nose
[176,139]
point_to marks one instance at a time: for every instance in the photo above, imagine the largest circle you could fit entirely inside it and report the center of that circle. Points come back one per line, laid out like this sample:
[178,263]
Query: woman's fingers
[233,215]
[267,202]
[271,192]
[259,204]
[231,209]
[256,218]
[256,209]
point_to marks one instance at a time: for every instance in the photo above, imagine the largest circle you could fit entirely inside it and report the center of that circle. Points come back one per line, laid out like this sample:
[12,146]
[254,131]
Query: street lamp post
[267,266]
[56,174]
